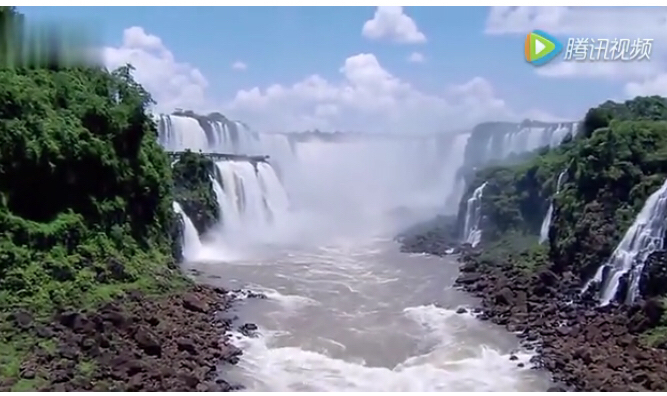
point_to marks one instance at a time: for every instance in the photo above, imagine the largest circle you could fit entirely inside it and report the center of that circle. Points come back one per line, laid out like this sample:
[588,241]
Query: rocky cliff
[193,189]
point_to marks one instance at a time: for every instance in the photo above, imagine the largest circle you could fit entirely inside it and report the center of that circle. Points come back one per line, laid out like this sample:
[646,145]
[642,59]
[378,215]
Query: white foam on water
[290,302]
[271,367]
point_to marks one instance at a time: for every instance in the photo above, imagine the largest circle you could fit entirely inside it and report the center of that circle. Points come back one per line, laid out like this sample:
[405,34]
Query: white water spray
[471,230]
[546,223]
[645,236]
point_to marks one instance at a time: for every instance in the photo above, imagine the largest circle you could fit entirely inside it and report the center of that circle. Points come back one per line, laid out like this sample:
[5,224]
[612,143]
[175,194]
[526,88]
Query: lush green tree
[82,180]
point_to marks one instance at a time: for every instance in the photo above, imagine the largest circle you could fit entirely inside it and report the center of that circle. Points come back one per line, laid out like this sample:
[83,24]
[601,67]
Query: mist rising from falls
[645,236]
[472,232]
[381,183]
[546,223]
[190,244]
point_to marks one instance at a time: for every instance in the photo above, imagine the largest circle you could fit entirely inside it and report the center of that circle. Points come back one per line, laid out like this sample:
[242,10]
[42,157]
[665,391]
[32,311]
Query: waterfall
[546,223]
[178,132]
[191,244]
[471,230]
[455,182]
[505,139]
[249,198]
[277,202]
[529,137]
[645,236]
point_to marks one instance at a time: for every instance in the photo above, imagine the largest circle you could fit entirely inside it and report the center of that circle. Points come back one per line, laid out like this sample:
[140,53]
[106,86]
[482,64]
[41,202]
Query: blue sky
[285,45]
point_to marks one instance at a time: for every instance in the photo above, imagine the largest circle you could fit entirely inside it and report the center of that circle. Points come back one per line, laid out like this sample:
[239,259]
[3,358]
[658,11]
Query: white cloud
[367,97]
[392,24]
[416,57]
[609,22]
[238,65]
[173,84]
[656,85]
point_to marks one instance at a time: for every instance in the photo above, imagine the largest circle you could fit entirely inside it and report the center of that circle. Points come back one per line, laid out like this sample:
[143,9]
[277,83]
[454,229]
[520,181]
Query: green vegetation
[516,197]
[612,166]
[610,173]
[85,195]
[613,172]
[86,192]
[518,249]
[194,189]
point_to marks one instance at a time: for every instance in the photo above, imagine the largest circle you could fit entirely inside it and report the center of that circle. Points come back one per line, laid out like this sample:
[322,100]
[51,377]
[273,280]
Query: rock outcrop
[134,344]
[193,189]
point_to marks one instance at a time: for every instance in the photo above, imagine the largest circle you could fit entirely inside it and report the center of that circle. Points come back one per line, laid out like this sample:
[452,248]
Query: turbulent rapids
[312,227]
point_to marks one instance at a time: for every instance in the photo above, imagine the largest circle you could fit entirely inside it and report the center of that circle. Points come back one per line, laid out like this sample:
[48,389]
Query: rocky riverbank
[585,347]
[175,342]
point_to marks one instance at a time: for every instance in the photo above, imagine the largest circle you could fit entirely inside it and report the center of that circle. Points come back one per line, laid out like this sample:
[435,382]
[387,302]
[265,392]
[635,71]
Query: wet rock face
[193,190]
[653,281]
[438,237]
[135,344]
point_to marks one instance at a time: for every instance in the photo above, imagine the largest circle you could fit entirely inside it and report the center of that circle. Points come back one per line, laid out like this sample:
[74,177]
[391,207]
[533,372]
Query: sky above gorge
[384,69]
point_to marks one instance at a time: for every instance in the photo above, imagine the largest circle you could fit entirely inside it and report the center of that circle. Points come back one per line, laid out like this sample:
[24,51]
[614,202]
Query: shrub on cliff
[652,108]
[193,190]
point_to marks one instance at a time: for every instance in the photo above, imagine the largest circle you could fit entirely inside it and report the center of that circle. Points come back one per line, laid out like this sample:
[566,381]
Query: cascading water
[472,232]
[505,139]
[454,182]
[645,236]
[546,223]
[528,138]
[250,199]
[275,196]
[191,244]
[178,132]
